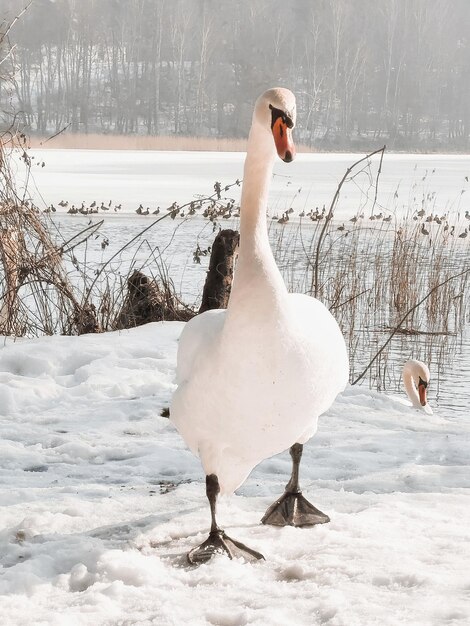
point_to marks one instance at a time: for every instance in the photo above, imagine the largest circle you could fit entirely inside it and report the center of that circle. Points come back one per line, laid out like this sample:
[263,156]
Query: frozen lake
[154,179]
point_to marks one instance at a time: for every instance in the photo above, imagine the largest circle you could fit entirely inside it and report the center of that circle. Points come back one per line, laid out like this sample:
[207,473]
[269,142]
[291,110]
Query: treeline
[364,71]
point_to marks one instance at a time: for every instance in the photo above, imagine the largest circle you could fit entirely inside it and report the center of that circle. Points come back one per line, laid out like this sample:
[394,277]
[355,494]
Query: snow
[131,177]
[101,501]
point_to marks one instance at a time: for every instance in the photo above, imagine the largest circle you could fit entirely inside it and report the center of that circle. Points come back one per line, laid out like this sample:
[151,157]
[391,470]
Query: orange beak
[422,394]
[283,139]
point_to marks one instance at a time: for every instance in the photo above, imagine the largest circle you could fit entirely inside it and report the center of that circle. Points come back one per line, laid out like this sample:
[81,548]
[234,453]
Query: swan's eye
[422,383]
[276,114]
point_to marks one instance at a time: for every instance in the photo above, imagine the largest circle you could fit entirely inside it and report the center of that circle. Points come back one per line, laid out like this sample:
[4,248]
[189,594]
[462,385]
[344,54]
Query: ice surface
[154,179]
[100,501]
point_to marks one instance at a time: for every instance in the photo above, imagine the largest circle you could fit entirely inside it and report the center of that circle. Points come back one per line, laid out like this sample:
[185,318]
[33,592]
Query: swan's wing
[327,341]
[198,334]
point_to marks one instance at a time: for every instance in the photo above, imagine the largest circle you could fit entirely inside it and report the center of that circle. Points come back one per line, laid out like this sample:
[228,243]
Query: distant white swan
[416,378]
[252,380]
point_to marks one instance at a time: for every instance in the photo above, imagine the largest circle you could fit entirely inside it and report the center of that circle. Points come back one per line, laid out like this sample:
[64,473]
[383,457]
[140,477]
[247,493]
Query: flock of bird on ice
[230,211]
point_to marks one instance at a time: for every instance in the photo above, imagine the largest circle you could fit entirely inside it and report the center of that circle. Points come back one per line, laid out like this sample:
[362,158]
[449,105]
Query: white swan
[416,378]
[252,380]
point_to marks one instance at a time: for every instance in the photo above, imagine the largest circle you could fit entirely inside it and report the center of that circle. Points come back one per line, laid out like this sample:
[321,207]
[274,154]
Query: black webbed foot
[292,509]
[219,543]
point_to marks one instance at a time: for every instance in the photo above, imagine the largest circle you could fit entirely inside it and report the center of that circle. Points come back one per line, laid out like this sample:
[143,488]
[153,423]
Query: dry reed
[397,286]
[95,141]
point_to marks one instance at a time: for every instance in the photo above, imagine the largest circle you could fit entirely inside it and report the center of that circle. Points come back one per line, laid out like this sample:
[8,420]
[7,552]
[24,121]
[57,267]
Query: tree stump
[218,283]
[147,302]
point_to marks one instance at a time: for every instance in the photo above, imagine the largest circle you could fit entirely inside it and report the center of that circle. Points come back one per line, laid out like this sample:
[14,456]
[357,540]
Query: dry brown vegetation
[92,141]
[388,281]
[45,289]
[38,297]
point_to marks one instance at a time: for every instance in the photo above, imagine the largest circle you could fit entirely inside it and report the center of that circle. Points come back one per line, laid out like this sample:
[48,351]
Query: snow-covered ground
[130,178]
[100,501]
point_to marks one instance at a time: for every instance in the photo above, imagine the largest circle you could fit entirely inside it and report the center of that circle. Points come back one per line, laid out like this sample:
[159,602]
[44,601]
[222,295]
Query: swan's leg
[292,509]
[218,541]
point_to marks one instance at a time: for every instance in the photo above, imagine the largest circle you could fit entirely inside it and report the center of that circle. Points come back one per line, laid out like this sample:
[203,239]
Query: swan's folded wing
[327,341]
[198,335]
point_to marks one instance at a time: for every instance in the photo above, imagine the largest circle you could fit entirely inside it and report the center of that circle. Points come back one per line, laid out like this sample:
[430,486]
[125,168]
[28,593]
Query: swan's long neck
[257,276]
[257,175]
[410,388]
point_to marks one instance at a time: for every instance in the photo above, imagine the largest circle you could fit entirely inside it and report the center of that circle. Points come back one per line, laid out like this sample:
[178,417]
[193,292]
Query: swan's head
[419,374]
[275,110]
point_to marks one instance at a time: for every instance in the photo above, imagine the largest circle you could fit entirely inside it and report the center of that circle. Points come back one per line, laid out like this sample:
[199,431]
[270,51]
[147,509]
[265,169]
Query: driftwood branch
[334,307]
[59,132]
